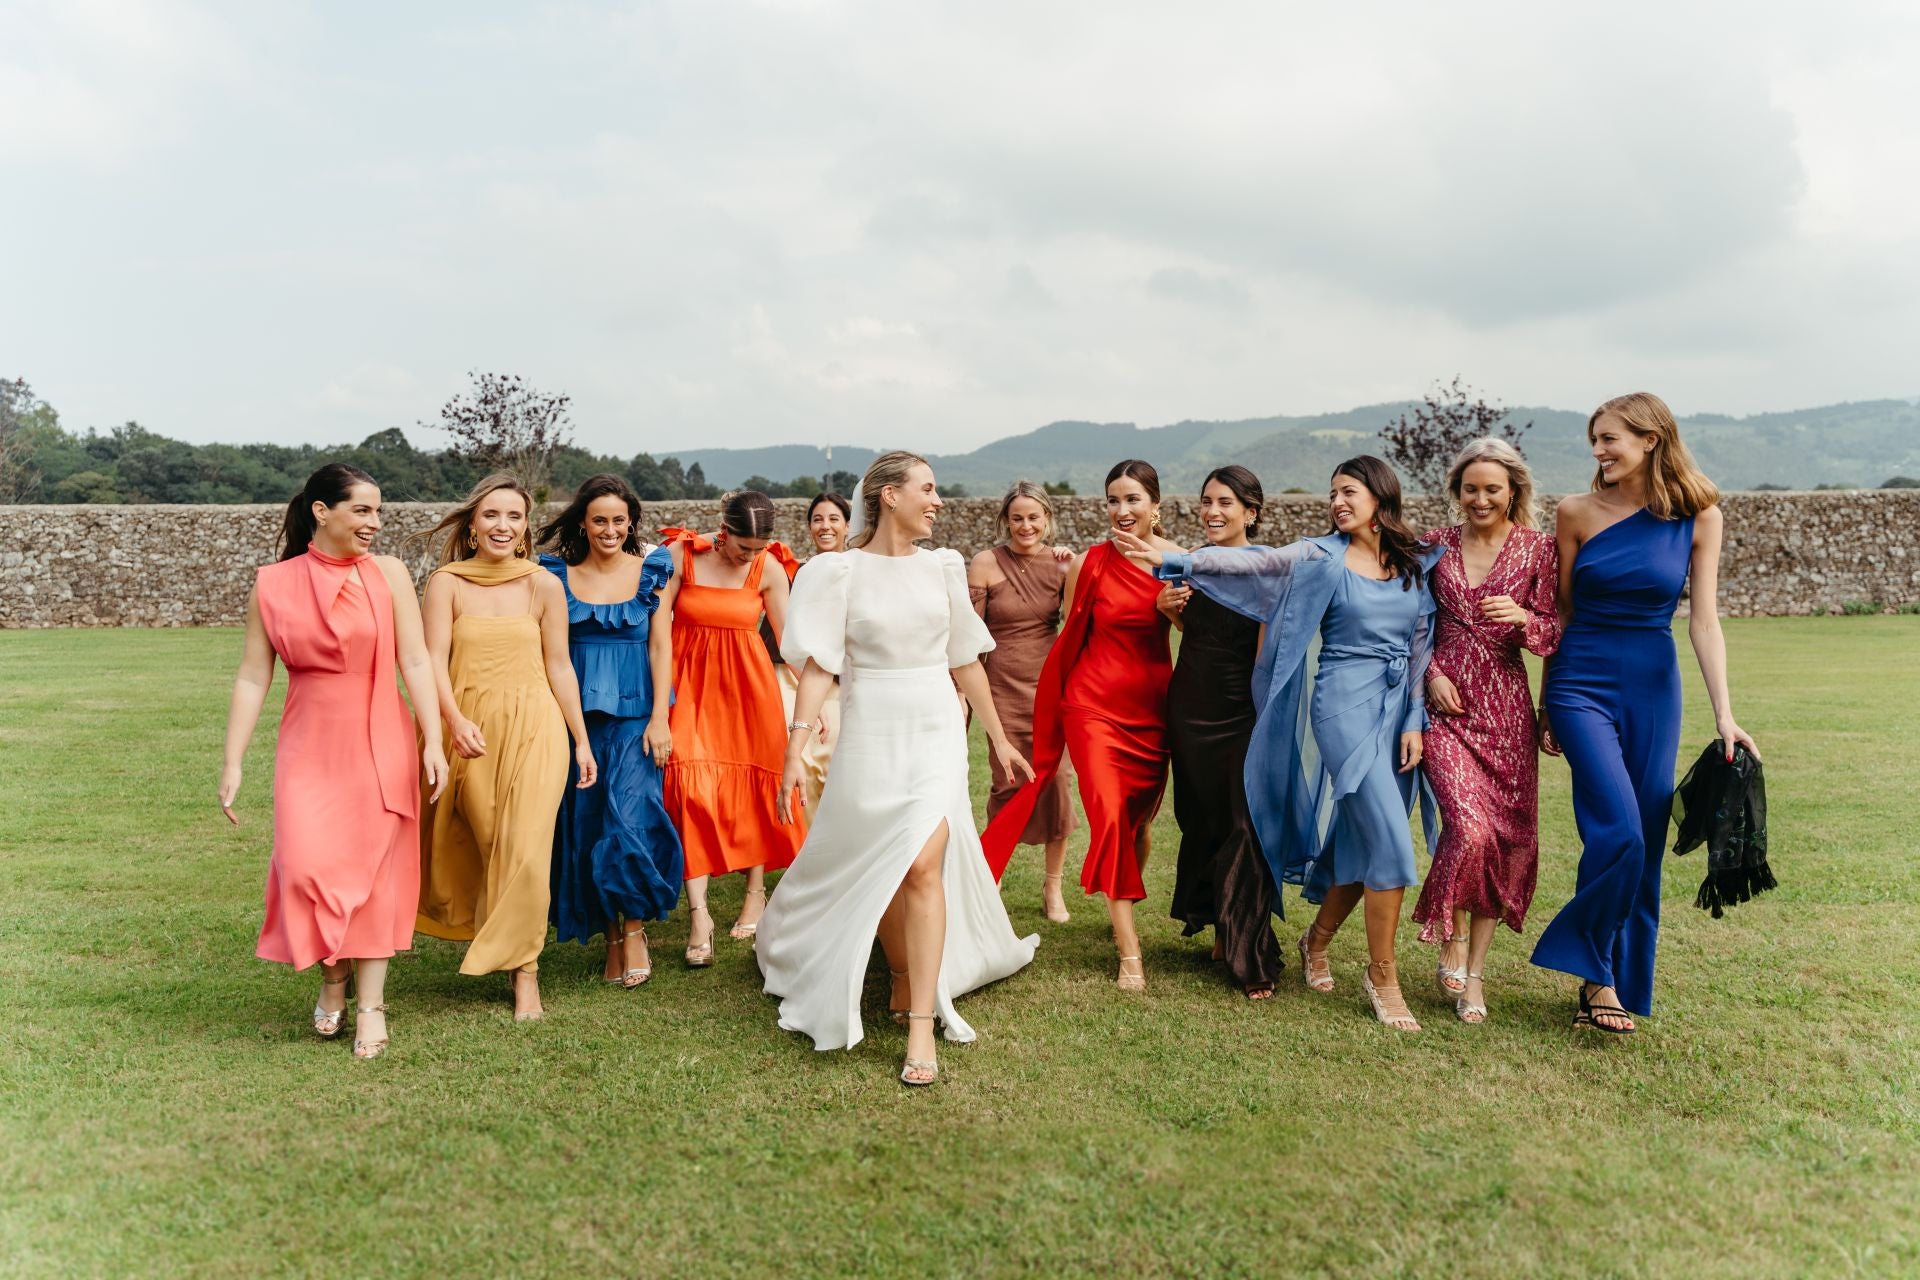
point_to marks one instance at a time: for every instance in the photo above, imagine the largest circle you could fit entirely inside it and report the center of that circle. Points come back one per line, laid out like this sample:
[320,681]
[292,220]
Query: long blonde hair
[1521,507]
[1023,489]
[1675,484]
[452,530]
[887,469]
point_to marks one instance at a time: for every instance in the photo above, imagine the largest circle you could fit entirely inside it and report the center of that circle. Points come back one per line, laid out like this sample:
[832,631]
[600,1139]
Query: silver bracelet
[794,726]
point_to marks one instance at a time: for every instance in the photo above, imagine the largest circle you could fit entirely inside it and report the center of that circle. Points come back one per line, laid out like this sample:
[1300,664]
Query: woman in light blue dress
[616,854]
[1363,592]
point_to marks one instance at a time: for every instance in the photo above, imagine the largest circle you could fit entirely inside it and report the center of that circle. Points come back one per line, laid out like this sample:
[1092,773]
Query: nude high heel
[1131,981]
[699,957]
[743,932]
[638,974]
[923,1066]
[1064,915]
[897,1014]
[1388,1004]
[1467,1012]
[327,1022]
[1315,969]
[368,1050]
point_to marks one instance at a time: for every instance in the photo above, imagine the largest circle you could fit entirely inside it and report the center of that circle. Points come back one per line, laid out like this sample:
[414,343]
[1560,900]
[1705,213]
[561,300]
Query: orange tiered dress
[729,730]
[346,774]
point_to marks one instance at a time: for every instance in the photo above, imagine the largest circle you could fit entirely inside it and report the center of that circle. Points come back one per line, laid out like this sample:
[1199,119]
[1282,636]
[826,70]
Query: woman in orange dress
[727,720]
[1103,696]
[346,804]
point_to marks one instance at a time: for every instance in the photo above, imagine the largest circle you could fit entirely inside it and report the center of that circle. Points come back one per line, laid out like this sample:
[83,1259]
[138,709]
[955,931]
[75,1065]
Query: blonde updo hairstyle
[1521,506]
[1023,489]
[1676,487]
[889,470]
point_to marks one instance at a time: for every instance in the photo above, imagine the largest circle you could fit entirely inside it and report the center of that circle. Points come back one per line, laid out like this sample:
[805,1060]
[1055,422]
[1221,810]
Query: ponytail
[329,486]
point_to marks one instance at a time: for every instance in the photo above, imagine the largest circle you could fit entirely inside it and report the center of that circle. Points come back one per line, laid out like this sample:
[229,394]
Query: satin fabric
[345,872]
[1101,699]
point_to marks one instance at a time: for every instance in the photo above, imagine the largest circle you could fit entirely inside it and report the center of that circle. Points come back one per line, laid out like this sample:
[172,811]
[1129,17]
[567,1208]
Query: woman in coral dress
[1103,698]
[728,722]
[497,628]
[1019,589]
[616,857]
[1493,591]
[345,871]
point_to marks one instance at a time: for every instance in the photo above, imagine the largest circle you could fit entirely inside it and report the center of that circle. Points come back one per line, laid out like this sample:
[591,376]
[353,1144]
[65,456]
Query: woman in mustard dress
[497,629]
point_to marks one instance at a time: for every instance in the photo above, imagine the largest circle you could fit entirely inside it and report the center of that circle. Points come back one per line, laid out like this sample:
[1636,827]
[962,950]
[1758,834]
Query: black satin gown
[1221,878]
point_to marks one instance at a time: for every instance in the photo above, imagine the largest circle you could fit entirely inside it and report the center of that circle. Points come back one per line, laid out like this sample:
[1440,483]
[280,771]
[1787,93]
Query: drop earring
[473,540]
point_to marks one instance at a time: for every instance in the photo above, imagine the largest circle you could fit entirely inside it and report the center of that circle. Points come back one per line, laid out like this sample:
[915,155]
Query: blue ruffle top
[608,642]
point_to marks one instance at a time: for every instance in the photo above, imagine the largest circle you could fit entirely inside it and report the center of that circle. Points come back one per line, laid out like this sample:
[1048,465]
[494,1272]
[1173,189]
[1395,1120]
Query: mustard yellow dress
[486,847]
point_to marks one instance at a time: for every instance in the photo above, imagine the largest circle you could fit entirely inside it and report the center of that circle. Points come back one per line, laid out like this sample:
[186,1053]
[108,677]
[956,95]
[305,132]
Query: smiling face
[1351,504]
[499,525]
[827,527]
[608,524]
[347,527]
[1486,495]
[1130,508]
[1027,525]
[915,503]
[1619,450]
[1223,517]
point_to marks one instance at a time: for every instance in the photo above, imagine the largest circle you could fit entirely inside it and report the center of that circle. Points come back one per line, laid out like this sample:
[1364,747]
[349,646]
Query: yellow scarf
[490,573]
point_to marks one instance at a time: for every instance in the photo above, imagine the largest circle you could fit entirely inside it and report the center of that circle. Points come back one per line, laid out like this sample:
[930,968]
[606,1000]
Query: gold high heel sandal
[1314,968]
[327,1022]
[637,974]
[699,957]
[742,932]
[1469,1012]
[1131,981]
[1064,915]
[368,1050]
[927,1066]
[1389,1006]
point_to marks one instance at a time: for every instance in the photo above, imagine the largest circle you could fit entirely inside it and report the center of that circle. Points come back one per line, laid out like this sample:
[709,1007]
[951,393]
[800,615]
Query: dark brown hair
[1244,485]
[569,528]
[1134,469]
[846,508]
[330,486]
[1399,545]
[747,513]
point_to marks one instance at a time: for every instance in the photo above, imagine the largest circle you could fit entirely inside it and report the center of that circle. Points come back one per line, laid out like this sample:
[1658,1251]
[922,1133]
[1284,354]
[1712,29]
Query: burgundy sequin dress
[1484,765]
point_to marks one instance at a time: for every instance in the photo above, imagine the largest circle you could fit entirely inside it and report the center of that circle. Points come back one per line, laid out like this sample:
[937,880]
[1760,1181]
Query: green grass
[166,1112]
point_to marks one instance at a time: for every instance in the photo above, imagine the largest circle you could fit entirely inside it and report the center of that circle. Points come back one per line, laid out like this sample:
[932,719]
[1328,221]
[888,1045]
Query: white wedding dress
[891,627]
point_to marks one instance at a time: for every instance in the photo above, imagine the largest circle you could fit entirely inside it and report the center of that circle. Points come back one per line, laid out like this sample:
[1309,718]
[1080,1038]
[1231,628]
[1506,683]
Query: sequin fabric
[1484,765]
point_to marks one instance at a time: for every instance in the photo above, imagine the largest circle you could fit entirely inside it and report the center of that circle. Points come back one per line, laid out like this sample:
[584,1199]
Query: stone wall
[178,566]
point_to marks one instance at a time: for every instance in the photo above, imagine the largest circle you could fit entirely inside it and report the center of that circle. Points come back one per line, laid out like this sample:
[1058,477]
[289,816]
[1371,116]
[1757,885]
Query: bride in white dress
[892,852]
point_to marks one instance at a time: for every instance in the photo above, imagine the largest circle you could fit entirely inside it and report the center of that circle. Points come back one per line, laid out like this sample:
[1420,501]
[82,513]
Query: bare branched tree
[1423,446]
[505,425]
[19,478]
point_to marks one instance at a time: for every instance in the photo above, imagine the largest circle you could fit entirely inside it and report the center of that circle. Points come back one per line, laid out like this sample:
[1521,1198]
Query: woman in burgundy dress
[1018,588]
[1494,588]
[1103,697]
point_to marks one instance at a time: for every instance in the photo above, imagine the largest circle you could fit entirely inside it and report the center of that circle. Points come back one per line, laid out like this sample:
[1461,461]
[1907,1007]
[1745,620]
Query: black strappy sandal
[1588,1011]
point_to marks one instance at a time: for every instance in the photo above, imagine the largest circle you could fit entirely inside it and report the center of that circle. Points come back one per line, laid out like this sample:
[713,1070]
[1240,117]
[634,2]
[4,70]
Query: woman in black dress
[1221,879]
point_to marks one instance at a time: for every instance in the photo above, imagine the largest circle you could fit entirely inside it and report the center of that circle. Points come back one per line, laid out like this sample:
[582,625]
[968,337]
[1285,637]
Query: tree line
[42,461]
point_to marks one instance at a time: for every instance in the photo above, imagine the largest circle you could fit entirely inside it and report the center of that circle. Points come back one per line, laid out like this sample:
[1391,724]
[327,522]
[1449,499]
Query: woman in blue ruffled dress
[617,861]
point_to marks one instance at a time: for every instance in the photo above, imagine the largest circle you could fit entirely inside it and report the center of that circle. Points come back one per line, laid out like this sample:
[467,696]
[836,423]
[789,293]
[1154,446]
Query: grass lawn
[166,1111]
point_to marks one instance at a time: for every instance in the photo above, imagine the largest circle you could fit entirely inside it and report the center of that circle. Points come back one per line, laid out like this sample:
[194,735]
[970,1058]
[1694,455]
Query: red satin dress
[1102,697]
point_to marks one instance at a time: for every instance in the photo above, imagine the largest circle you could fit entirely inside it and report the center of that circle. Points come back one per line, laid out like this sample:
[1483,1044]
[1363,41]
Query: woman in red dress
[345,875]
[1494,587]
[1103,696]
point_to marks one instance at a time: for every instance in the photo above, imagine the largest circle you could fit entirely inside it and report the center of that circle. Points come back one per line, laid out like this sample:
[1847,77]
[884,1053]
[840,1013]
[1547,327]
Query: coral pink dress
[345,874]
[1484,765]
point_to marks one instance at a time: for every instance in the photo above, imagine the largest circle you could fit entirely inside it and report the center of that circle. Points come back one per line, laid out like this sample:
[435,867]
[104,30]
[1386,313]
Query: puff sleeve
[967,635]
[817,614]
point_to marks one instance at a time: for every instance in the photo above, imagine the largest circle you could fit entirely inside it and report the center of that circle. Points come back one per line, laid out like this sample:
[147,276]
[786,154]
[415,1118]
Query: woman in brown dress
[1017,588]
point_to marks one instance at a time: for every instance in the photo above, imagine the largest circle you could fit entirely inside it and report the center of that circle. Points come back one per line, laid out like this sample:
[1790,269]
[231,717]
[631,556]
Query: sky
[934,225]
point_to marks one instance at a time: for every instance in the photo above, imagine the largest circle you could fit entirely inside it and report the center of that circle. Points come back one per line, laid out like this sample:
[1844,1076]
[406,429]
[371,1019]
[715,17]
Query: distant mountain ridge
[1856,443]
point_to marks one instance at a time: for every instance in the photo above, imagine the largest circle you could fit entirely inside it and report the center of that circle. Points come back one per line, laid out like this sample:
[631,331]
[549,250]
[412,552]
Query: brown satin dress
[1022,614]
